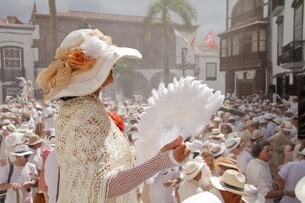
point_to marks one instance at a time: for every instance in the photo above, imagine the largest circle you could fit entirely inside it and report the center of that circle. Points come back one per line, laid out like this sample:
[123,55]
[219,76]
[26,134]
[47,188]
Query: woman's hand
[15,186]
[181,151]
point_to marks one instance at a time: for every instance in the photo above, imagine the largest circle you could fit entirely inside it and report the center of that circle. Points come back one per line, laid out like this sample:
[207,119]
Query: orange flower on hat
[79,60]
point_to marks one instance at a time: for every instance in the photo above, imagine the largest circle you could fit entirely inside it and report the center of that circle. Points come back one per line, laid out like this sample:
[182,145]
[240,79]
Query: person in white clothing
[52,176]
[24,176]
[259,174]
[289,175]
[160,190]
[191,175]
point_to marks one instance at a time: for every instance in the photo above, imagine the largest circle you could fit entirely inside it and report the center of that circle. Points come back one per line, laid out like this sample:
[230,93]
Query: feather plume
[183,108]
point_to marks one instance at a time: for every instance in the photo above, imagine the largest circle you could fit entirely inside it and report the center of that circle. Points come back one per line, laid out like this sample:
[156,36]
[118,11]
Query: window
[211,71]
[12,63]
[229,47]
[298,21]
[254,41]
[280,32]
[11,57]
[223,48]
[236,44]
[262,40]
[250,42]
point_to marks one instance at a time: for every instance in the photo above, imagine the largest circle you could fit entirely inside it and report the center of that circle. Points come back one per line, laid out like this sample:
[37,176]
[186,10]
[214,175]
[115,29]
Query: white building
[288,46]
[16,55]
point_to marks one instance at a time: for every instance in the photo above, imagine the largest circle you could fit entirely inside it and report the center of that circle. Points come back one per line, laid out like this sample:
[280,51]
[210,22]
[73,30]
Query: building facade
[244,48]
[17,57]
[288,46]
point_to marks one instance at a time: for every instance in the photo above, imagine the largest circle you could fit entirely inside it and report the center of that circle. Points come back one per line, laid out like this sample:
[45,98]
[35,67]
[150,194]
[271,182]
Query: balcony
[277,7]
[293,54]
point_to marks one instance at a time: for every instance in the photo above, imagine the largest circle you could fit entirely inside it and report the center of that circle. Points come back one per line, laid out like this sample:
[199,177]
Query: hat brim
[21,154]
[85,82]
[37,142]
[202,197]
[258,199]
[216,182]
[221,151]
[185,176]
[299,189]
[235,145]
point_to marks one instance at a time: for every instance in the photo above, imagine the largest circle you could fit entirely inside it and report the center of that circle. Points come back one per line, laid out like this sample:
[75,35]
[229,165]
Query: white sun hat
[300,190]
[256,196]
[22,150]
[190,169]
[88,56]
[202,197]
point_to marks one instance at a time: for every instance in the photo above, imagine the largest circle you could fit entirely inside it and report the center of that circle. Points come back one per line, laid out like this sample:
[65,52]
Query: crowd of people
[261,147]
[78,145]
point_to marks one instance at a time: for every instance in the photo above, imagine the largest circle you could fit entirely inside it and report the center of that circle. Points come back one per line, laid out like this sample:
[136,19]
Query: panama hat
[10,127]
[232,143]
[22,150]
[217,149]
[216,133]
[202,197]
[190,169]
[287,126]
[231,181]
[34,139]
[300,190]
[256,196]
[89,56]
[227,162]
[256,134]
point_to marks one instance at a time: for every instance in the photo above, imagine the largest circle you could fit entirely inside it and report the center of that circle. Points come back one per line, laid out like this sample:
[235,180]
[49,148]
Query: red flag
[210,39]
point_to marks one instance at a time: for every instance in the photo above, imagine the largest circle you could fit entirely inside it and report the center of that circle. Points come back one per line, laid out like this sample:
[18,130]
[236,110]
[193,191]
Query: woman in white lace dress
[96,164]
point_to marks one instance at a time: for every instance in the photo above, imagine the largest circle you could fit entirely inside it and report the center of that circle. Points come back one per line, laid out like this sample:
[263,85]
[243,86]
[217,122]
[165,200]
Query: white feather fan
[183,108]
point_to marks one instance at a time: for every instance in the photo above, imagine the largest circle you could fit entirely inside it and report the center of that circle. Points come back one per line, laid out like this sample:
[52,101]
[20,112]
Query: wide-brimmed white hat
[217,149]
[216,133]
[91,56]
[202,197]
[10,127]
[22,150]
[256,196]
[231,181]
[190,169]
[300,190]
[232,143]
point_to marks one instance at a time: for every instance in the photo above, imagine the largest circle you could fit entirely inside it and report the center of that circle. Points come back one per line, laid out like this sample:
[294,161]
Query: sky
[211,13]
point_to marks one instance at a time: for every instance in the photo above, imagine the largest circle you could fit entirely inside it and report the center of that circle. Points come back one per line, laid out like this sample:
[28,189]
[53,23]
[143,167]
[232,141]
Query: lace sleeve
[126,180]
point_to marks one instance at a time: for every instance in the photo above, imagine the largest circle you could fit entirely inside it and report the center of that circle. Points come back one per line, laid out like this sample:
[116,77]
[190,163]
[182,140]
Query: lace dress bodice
[89,147]
[96,164]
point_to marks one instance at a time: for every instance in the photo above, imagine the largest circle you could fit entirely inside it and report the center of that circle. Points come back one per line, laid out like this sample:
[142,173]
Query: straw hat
[232,143]
[300,189]
[190,169]
[34,139]
[83,62]
[216,133]
[227,162]
[256,196]
[202,197]
[10,127]
[22,150]
[231,181]
[215,148]
[287,126]
[256,134]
